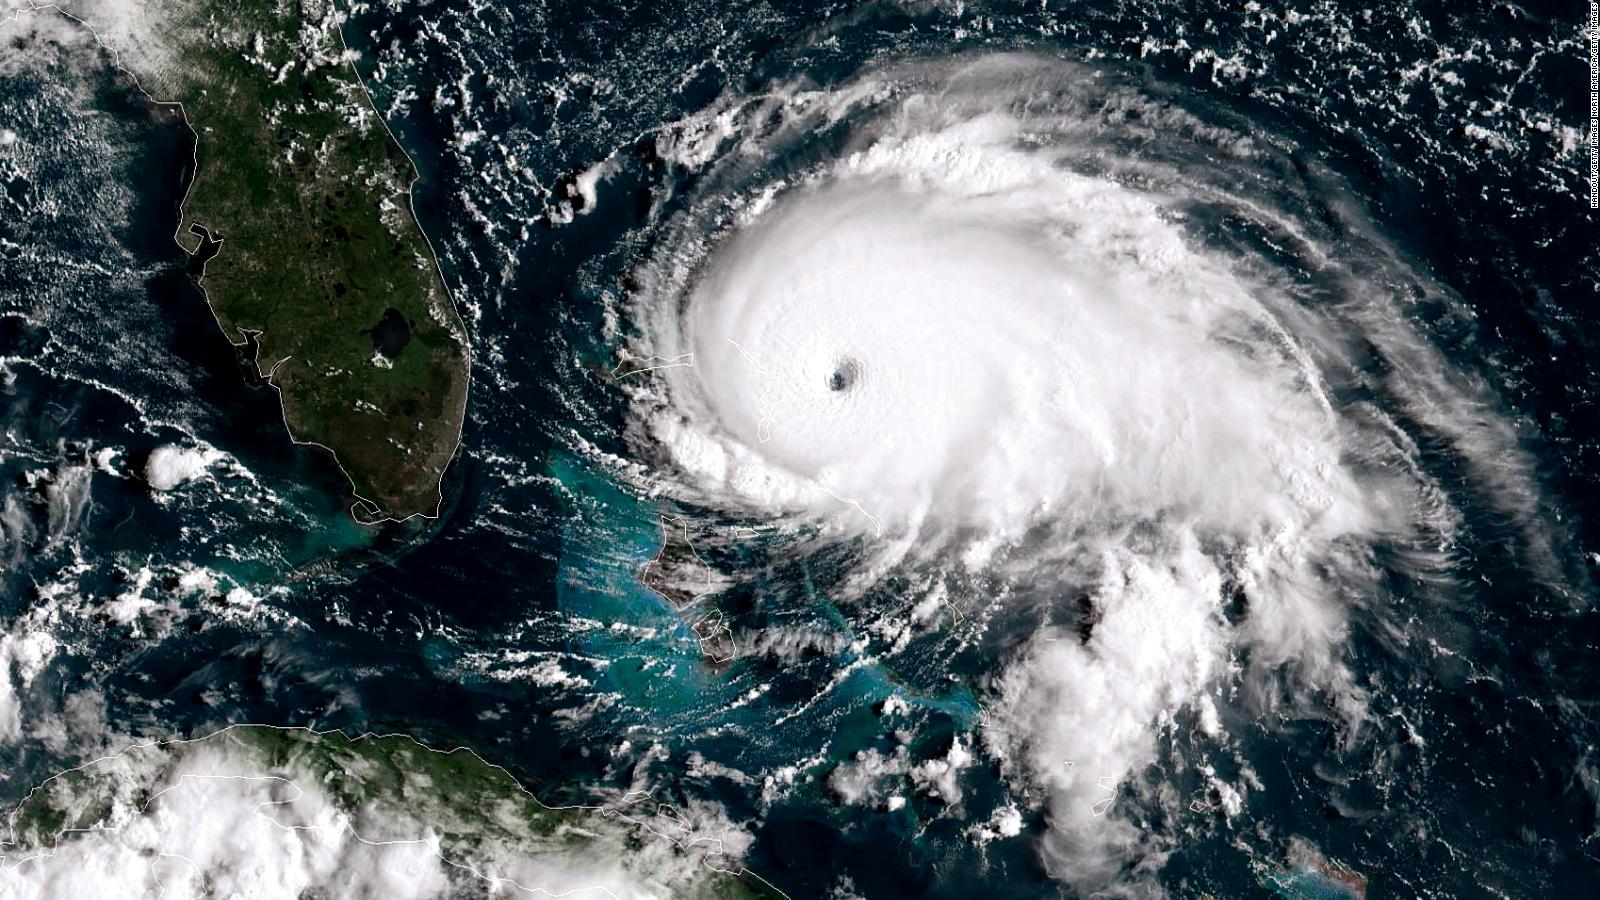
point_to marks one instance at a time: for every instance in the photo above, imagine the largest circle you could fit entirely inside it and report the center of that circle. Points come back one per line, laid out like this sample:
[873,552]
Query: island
[301,232]
[330,809]
[681,577]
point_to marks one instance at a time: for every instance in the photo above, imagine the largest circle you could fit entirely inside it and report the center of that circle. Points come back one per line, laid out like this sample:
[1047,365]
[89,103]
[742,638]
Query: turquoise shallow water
[650,655]
[450,629]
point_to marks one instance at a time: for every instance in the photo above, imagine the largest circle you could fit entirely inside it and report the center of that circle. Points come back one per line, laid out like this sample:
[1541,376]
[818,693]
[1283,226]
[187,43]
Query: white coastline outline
[715,616]
[649,364]
[764,431]
[449,296]
[8,839]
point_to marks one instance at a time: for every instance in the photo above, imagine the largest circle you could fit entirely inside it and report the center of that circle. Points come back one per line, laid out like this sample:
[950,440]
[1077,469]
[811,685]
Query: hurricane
[1034,342]
[938,450]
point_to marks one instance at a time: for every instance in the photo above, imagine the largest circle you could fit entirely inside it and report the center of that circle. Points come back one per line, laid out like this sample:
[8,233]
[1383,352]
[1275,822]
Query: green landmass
[321,263]
[390,787]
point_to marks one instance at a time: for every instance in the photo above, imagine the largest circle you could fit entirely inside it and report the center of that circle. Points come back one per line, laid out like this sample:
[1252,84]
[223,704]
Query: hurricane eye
[846,374]
[1020,405]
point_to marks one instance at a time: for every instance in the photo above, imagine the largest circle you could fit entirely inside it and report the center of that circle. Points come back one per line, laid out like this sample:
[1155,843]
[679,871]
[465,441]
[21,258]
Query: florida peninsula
[299,220]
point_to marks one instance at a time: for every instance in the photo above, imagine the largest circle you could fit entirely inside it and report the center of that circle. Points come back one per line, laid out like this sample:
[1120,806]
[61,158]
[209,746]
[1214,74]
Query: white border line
[680,523]
[355,76]
[9,839]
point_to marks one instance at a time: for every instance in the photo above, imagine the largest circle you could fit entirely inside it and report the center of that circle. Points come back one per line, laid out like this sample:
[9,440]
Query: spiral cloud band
[955,328]
[1002,317]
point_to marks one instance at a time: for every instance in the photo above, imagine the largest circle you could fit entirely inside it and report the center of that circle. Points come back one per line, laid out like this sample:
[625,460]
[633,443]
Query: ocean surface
[561,151]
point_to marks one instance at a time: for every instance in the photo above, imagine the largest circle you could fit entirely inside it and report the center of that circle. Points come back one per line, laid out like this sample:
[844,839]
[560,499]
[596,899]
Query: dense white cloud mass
[139,32]
[983,339]
[950,328]
[1076,716]
[170,466]
[212,819]
[22,655]
[213,825]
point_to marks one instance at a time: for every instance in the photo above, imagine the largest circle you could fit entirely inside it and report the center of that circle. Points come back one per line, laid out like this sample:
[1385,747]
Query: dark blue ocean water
[436,628]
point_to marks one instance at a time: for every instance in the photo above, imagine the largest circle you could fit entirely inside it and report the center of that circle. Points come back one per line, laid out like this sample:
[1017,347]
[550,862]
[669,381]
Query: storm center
[845,375]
